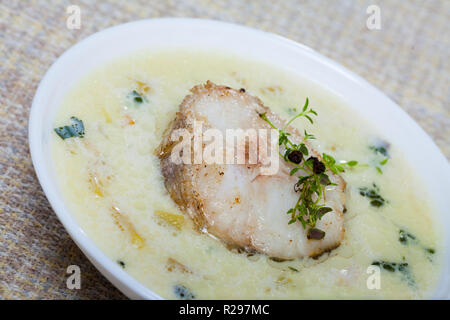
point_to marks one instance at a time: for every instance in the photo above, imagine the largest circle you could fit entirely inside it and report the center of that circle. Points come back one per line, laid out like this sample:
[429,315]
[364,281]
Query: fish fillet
[235,203]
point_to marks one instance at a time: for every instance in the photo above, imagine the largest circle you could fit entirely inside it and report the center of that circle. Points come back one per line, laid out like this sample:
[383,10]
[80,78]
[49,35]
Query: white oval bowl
[424,155]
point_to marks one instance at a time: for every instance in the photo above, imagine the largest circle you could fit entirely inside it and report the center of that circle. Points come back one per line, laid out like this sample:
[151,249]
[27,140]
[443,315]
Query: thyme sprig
[311,185]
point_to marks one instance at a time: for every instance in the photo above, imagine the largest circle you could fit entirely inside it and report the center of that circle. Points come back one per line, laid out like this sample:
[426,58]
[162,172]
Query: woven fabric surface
[408,59]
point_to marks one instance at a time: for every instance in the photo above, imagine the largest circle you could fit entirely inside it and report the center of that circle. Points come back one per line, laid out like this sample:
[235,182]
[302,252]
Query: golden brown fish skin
[178,178]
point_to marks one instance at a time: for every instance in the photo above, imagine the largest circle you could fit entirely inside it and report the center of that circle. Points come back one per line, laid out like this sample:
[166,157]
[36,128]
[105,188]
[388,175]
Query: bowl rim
[115,274]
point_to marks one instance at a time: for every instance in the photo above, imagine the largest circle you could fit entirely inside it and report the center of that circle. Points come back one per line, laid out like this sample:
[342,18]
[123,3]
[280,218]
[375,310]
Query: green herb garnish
[407,238]
[401,267]
[121,263]
[74,130]
[137,97]
[181,292]
[376,200]
[311,185]
[380,150]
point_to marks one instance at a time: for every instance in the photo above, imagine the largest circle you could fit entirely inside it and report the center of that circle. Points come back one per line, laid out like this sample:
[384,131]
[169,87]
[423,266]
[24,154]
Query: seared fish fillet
[234,202]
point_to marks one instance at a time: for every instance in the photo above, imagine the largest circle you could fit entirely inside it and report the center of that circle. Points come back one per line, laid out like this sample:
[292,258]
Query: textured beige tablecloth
[408,59]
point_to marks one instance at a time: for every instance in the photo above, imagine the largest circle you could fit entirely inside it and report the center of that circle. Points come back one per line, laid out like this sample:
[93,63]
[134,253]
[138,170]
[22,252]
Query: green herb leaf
[380,149]
[76,129]
[309,118]
[405,236]
[352,163]
[376,200]
[401,267]
[322,211]
[305,105]
[137,98]
[308,136]
[303,149]
[181,292]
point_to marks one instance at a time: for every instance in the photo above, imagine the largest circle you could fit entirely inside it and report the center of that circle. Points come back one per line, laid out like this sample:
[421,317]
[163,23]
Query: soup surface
[112,183]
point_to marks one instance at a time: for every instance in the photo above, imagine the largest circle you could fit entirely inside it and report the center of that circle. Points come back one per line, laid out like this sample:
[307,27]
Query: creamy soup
[112,183]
